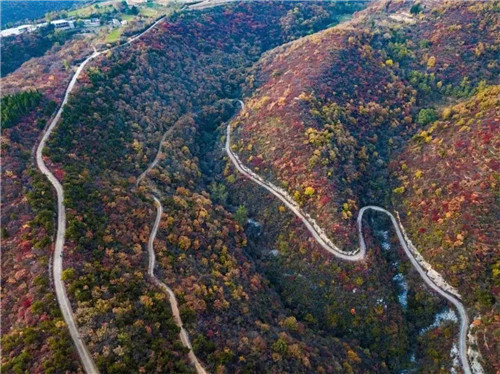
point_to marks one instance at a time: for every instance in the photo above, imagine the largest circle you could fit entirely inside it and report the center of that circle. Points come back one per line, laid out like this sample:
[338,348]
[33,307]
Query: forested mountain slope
[34,336]
[104,141]
[329,109]
[20,48]
[340,118]
[128,100]
[447,184]
[327,115]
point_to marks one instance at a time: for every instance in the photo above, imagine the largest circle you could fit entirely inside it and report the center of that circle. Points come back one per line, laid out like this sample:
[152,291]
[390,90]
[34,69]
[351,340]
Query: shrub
[416,8]
[426,116]
[241,215]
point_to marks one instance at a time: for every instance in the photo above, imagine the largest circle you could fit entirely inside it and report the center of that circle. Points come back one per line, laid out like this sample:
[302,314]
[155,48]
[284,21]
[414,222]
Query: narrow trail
[173,301]
[360,253]
[157,157]
[152,260]
[86,358]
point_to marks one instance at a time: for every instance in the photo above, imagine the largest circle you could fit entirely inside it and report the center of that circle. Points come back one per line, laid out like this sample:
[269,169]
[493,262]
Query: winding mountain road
[152,261]
[62,298]
[85,357]
[173,301]
[360,253]
[316,231]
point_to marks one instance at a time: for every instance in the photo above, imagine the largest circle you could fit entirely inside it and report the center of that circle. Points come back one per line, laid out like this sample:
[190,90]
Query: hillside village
[108,17]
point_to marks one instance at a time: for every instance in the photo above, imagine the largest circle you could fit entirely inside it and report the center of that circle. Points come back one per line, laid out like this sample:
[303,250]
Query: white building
[62,24]
[93,22]
[17,30]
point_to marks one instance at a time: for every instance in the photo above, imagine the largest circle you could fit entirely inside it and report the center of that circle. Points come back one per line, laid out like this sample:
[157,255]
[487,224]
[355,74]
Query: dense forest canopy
[20,48]
[16,106]
[374,92]
[396,106]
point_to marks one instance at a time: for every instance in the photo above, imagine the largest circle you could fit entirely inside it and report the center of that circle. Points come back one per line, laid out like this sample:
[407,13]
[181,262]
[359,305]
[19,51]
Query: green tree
[218,192]
[280,346]
[426,116]
[241,215]
[16,106]
[416,8]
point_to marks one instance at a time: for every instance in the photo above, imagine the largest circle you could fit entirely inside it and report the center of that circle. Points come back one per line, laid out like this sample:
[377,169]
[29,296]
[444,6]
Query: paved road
[192,4]
[64,304]
[87,361]
[359,254]
[173,301]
